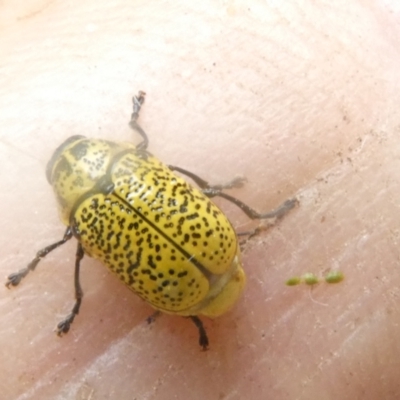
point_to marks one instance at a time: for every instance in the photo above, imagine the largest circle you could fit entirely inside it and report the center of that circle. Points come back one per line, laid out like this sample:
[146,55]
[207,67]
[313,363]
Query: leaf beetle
[164,238]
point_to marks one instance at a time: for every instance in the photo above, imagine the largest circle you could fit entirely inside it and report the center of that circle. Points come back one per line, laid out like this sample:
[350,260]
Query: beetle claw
[14,279]
[64,325]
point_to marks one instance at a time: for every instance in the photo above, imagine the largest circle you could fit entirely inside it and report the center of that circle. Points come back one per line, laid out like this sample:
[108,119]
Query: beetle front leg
[15,278]
[65,324]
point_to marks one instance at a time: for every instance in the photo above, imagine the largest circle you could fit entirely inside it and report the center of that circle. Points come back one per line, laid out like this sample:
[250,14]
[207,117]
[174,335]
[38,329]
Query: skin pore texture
[302,98]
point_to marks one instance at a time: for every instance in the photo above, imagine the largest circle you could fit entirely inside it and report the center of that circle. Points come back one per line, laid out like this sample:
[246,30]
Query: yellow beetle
[161,236]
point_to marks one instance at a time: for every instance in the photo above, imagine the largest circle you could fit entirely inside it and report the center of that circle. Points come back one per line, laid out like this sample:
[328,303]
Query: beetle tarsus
[64,325]
[153,317]
[285,208]
[15,278]
[203,338]
[137,105]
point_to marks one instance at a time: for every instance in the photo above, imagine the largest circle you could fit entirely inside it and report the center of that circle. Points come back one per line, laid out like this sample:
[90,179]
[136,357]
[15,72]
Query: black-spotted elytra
[164,238]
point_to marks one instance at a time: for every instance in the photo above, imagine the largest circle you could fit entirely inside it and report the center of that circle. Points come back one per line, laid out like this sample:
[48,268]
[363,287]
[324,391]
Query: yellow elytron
[161,236]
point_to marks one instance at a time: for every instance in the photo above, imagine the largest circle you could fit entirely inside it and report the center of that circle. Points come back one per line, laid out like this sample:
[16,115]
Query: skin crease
[301,98]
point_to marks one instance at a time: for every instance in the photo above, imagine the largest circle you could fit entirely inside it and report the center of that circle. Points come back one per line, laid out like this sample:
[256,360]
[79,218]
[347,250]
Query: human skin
[302,99]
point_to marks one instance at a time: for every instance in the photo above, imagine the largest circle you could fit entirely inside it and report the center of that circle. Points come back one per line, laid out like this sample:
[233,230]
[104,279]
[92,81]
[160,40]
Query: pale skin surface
[303,99]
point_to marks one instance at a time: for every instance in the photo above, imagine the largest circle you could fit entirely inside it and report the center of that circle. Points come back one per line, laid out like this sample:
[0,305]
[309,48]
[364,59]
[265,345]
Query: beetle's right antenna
[137,105]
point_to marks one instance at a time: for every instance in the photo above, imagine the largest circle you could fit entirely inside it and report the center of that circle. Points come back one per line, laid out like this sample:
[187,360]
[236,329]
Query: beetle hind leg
[15,278]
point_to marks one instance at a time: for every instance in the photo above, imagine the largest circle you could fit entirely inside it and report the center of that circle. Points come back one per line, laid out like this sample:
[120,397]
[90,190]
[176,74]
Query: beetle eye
[57,153]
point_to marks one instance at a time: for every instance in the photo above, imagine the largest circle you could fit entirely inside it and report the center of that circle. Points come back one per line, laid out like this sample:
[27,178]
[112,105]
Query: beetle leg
[203,339]
[236,182]
[253,232]
[153,317]
[137,105]
[64,325]
[253,214]
[212,191]
[250,234]
[15,278]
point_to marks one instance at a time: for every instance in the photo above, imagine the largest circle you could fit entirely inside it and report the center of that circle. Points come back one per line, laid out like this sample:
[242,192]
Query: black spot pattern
[141,257]
[183,212]
[161,236]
